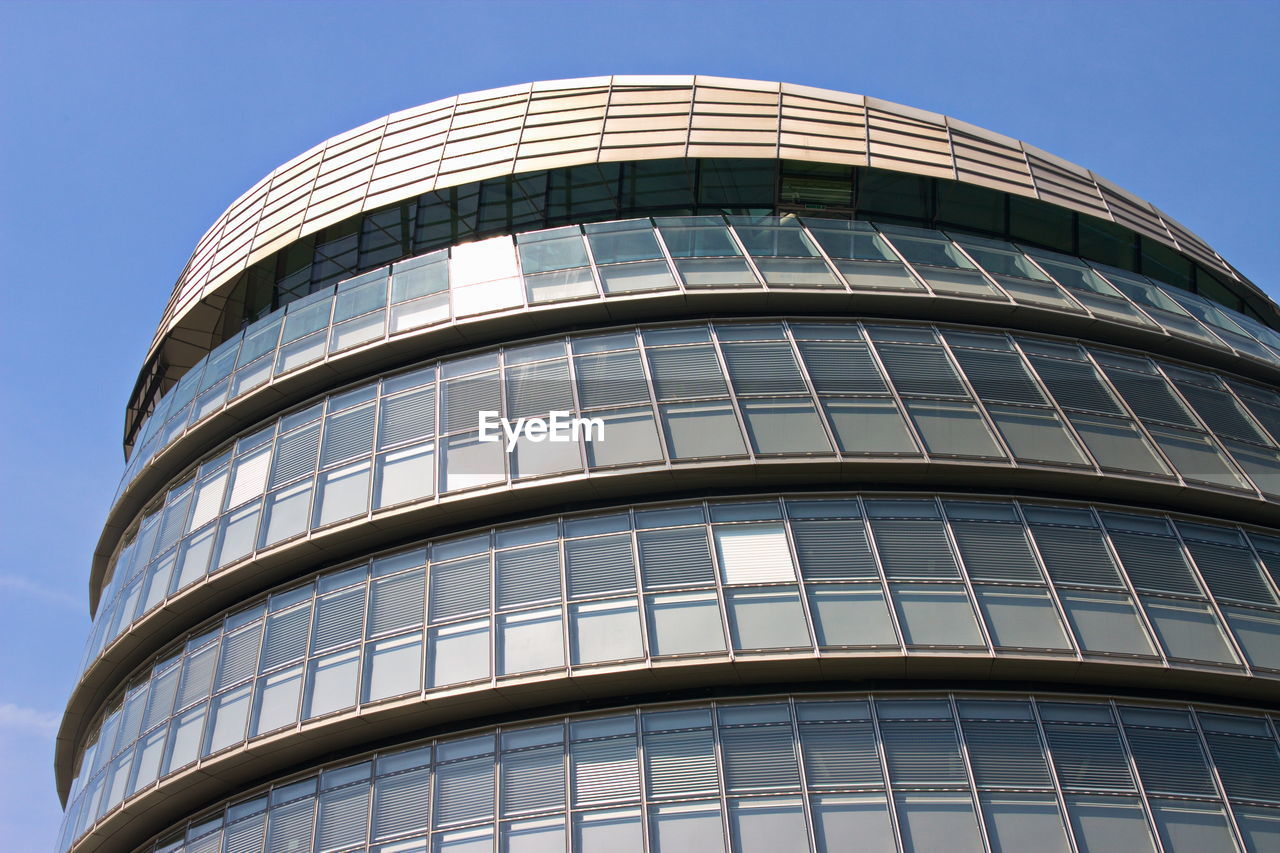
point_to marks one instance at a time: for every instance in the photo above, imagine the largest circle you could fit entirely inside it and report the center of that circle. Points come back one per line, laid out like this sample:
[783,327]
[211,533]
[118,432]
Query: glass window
[851,615]
[332,683]
[1258,632]
[952,429]
[850,823]
[1107,824]
[936,615]
[1021,618]
[1036,435]
[607,832]
[342,493]
[606,631]
[393,667]
[1019,822]
[1118,445]
[287,513]
[753,553]
[459,653]
[937,823]
[633,278]
[633,243]
[545,835]
[696,430]
[768,825]
[469,462]
[405,475]
[869,426]
[684,827]
[787,425]
[599,565]
[276,703]
[530,641]
[684,623]
[766,618]
[1106,622]
[629,436]
[1188,630]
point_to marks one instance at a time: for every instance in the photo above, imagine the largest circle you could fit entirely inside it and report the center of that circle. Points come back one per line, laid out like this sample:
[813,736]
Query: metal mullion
[572,373]
[731,392]
[893,394]
[802,588]
[746,256]
[964,579]
[1077,646]
[567,777]
[1053,772]
[666,256]
[884,771]
[642,778]
[978,403]
[968,771]
[717,579]
[1218,785]
[889,602]
[1212,599]
[641,597]
[642,353]
[565,608]
[812,389]
[1127,583]
[723,792]
[496,817]
[811,833]
[1137,779]
[592,266]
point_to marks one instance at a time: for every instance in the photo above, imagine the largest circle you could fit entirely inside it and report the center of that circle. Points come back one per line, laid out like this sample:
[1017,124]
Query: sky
[126,129]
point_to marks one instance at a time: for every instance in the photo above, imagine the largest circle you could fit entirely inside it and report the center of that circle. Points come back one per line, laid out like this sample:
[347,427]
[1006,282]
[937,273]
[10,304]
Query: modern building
[924,496]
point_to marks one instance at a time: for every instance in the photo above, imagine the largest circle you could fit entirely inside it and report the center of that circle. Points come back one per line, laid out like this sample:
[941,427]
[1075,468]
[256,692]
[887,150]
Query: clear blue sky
[128,127]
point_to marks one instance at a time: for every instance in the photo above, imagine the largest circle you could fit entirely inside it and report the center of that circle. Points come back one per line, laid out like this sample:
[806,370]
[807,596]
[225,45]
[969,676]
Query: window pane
[405,475]
[1021,618]
[1258,632]
[852,824]
[768,826]
[869,426]
[1109,825]
[393,667]
[1188,630]
[1117,444]
[607,832]
[784,426]
[1036,435]
[766,619]
[679,829]
[606,631]
[630,436]
[851,615]
[332,683]
[702,429]
[753,553]
[953,429]
[1104,622]
[684,624]
[277,701]
[469,462]
[937,823]
[342,494]
[459,653]
[1020,823]
[936,615]
[530,641]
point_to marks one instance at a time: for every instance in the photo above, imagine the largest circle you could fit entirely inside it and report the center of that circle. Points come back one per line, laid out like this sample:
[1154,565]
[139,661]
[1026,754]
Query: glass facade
[928,511]
[920,773]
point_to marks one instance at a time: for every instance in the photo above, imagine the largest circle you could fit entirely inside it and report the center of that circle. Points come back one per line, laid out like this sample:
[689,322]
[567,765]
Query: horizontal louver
[1006,754]
[999,376]
[1154,562]
[1151,398]
[922,753]
[833,550]
[1076,556]
[842,368]
[397,602]
[528,574]
[678,556]
[756,758]
[995,551]
[464,791]
[465,398]
[295,455]
[211,843]
[289,826]
[754,553]
[1249,767]
[175,520]
[604,564]
[682,372]
[1076,385]
[611,379]
[914,549]
[339,619]
[604,770]
[459,587]
[400,803]
[197,674]
[344,818]
[249,476]
[533,780]
[1231,572]
[1170,762]
[921,370]
[536,389]
[1221,412]
[1087,757]
[239,656]
[347,435]
[680,764]
[763,368]
[840,754]
[287,635]
[246,836]
[408,417]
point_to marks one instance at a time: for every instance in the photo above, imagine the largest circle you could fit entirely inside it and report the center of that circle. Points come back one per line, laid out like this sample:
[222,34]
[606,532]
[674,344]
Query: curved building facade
[657,463]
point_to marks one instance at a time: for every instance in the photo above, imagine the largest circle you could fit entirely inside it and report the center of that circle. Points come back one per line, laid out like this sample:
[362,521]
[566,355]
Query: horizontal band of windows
[953,772]
[706,579]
